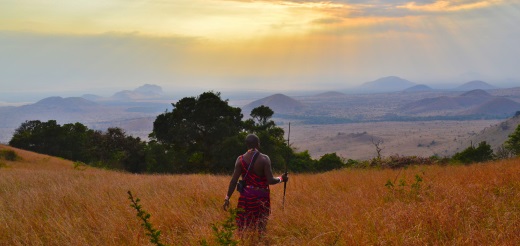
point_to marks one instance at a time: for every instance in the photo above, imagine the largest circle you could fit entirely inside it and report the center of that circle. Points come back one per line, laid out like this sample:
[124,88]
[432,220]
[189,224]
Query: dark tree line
[200,134]
[111,149]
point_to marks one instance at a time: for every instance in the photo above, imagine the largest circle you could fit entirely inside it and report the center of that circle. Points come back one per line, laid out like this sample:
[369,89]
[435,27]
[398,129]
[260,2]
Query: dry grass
[45,201]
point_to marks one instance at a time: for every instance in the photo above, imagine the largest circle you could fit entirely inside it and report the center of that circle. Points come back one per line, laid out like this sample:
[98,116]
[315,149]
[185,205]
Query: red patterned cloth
[254,204]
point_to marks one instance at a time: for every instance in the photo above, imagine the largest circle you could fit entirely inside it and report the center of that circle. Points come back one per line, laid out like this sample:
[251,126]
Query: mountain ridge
[474,85]
[386,84]
[475,102]
[279,103]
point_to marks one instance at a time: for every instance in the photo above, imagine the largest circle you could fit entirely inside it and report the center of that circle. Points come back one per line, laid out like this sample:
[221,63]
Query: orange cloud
[448,6]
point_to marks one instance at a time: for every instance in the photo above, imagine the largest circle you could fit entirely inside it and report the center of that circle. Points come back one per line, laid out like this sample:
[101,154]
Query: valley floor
[354,141]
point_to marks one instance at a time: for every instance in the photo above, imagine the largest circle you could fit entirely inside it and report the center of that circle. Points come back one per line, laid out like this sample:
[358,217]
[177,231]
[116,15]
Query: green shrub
[223,231]
[401,190]
[329,162]
[151,232]
[513,143]
[481,153]
[9,155]
[78,165]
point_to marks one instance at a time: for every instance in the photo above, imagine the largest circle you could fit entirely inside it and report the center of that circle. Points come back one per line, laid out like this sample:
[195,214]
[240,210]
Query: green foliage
[196,127]
[9,155]
[502,152]
[329,162]
[403,191]
[115,150]
[223,231]
[159,159]
[38,136]
[302,162]
[398,161]
[151,232]
[481,153]
[262,114]
[513,142]
[352,163]
[78,165]
[111,149]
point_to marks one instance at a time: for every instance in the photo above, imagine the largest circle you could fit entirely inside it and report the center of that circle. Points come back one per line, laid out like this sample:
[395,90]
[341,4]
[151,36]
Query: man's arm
[233,183]
[268,172]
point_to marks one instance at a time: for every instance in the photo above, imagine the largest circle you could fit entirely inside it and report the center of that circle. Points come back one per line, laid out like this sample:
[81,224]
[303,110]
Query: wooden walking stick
[285,182]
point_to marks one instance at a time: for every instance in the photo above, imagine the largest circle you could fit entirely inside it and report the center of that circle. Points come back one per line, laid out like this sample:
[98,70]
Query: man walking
[254,201]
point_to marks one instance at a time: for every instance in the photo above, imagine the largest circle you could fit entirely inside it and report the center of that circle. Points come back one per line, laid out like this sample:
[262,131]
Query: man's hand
[284,177]
[226,204]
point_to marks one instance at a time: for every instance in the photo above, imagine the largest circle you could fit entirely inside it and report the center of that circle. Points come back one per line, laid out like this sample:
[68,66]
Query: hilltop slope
[494,135]
[279,103]
[386,84]
[475,102]
[475,204]
[475,85]
[34,161]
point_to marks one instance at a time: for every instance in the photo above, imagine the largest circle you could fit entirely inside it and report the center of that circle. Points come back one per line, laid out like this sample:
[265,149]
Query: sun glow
[300,43]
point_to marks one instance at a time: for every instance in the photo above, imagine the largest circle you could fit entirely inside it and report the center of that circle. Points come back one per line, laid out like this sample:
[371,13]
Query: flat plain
[354,140]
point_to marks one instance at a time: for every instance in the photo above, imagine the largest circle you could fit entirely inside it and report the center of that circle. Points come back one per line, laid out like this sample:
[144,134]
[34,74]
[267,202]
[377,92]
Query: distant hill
[92,97]
[70,109]
[476,93]
[75,104]
[279,103]
[496,106]
[78,109]
[474,85]
[146,91]
[330,94]
[494,135]
[475,102]
[386,84]
[418,88]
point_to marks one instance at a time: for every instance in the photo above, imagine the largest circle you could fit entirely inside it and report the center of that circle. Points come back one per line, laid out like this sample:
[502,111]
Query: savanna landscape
[398,122]
[51,201]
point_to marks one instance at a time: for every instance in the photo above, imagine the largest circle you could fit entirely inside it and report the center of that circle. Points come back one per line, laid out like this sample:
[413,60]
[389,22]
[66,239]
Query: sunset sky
[62,45]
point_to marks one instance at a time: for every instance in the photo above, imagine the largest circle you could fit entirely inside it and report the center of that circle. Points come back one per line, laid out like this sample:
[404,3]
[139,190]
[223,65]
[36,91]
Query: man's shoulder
[264,156]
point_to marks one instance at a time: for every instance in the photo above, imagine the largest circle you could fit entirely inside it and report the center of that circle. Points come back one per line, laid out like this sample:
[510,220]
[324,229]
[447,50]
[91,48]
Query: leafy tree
[481,153]
[513,142]
[159,159]
[329,162]
[302,162]
[196,127]
[114,149]
[261,115]
[73,141]
[37,136]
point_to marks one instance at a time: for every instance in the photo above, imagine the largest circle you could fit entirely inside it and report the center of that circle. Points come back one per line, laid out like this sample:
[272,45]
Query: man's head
[252,141]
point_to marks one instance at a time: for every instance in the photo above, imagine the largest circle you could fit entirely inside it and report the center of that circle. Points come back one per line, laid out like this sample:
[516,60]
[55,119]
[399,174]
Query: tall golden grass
[45,201]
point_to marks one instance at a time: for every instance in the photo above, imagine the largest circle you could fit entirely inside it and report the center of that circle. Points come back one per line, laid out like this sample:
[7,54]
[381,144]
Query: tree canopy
[513,142]
[481,153]
[110,149]
[198,130]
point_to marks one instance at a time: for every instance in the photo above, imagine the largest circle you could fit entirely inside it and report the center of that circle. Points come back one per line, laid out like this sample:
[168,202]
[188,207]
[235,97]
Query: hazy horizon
[62,48]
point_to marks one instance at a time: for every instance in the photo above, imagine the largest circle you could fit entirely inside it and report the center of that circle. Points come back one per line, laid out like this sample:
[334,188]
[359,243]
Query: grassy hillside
[46,201]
